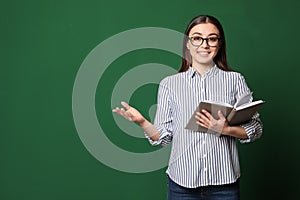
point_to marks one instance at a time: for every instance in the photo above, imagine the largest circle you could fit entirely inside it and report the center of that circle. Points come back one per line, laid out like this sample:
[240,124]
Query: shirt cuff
[250,131]
[159,141]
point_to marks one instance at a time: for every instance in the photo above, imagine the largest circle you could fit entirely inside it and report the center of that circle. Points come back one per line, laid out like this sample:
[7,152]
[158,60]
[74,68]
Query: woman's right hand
[129,113]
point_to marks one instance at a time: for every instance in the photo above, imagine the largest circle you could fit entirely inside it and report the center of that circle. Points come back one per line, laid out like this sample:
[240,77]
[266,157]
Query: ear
[188,45]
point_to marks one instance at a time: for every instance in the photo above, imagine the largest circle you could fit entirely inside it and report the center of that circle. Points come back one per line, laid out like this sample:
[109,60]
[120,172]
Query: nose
[204,44]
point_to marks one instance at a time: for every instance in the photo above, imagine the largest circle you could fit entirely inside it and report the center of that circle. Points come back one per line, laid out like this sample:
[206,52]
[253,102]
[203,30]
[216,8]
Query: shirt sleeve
[254,127]
[163,117]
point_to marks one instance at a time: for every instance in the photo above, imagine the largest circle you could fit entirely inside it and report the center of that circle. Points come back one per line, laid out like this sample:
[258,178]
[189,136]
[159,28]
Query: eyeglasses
[198,41]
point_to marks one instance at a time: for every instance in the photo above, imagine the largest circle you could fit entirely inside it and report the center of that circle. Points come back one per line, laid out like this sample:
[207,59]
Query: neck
[202,68]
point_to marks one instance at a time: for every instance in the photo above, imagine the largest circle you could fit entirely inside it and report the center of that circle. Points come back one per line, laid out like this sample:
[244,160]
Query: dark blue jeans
[214,192]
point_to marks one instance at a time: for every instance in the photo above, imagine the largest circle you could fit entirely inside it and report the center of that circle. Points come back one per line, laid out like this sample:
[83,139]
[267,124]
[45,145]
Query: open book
[241,112]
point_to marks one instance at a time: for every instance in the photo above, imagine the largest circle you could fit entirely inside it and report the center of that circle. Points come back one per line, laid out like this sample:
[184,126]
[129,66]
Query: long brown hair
[220,59]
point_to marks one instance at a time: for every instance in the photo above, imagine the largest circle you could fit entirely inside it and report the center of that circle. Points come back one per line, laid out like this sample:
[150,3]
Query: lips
[204,52]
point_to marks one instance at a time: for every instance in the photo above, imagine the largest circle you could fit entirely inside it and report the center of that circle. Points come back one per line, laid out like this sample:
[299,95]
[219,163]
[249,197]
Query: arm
[133,115]
[235,131]
[206,120]
[161,132]
[246,132]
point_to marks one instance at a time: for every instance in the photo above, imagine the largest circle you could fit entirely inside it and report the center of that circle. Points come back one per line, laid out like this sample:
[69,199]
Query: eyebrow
[208,34]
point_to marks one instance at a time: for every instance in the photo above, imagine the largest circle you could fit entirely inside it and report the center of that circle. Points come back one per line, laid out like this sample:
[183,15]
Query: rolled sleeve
[253,129]
[164,139]
[163,117]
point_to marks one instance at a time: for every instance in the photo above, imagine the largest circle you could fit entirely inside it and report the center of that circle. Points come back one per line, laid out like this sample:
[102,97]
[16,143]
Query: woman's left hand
[206,120]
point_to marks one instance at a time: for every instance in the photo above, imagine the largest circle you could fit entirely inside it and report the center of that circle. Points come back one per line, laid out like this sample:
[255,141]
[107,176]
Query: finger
[120,111]
[220,114]
[202,117]
[202,120]
[125,105]
[207,114]
[127,114]
[116,110]
[202,124]
[124,114]
[198,115]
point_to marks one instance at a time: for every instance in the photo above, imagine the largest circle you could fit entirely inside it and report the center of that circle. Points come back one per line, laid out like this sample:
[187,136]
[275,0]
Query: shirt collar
[192,72]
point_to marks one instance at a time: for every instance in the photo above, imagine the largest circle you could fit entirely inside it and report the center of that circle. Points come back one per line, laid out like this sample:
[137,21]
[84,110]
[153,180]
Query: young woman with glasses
[202,165]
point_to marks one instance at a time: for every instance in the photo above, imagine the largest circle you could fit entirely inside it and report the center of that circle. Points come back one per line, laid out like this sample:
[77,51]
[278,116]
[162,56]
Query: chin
[205,62]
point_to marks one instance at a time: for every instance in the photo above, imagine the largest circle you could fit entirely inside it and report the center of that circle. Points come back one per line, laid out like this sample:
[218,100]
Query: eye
[197,38]
[213,39]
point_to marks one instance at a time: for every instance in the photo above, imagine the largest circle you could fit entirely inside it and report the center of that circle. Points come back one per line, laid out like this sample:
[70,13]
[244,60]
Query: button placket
[202,88]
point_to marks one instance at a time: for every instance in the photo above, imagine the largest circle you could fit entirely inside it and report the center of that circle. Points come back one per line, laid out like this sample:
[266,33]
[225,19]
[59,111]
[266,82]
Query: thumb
[125,105]
[220,114]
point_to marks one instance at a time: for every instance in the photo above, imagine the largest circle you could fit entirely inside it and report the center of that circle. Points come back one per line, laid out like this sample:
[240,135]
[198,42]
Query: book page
[218,103]
[244,99]
[249,104]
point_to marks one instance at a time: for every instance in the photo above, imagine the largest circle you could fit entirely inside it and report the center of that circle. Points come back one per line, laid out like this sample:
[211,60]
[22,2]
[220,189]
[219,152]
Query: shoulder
[172,78]
[236,79]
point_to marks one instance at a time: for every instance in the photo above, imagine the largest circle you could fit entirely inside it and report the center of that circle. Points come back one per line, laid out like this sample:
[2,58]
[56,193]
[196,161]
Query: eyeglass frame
[203,39]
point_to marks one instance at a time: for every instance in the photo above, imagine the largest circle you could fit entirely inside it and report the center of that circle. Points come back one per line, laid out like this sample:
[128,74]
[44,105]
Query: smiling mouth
[203,52]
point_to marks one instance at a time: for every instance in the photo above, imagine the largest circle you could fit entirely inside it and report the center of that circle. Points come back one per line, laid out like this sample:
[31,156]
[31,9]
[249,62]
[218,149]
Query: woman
[202,165]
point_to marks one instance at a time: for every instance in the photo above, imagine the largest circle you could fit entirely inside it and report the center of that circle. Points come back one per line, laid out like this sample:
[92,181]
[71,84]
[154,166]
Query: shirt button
[204,156]
[205,169]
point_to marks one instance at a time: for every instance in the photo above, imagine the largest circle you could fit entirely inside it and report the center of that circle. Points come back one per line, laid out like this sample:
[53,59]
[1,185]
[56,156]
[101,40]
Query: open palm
[129,113]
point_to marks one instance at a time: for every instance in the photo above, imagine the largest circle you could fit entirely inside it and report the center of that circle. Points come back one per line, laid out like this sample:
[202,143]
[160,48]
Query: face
[204,54]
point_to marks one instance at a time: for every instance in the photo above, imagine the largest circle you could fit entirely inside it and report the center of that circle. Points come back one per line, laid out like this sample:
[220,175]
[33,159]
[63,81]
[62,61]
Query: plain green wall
[43,44]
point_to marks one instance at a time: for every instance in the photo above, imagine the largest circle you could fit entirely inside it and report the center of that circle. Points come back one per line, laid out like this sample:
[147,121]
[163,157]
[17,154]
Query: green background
[43,44]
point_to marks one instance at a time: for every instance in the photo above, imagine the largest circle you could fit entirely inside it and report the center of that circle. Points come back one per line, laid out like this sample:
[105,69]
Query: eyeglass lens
[197,41]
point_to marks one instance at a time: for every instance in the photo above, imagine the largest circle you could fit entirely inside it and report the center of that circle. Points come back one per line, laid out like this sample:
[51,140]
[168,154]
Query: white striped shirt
[199,158]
